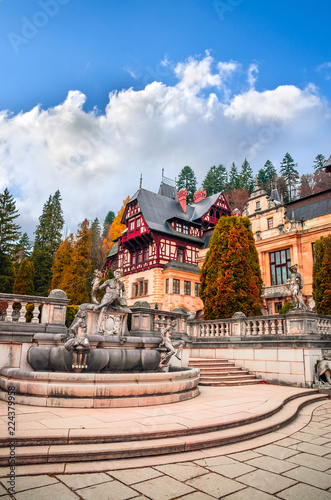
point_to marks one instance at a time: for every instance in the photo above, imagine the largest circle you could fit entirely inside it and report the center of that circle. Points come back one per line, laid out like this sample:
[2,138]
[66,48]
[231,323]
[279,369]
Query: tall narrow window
[279,266]
[131,225]
[187,288]
[138,221]
[180,254]
[167,286]
[270,223]
[175,286]
[140,256]
[196,289]
[133,258]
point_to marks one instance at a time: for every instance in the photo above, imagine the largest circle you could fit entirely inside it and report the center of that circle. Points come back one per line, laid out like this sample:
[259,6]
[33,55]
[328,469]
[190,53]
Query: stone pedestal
[301,322]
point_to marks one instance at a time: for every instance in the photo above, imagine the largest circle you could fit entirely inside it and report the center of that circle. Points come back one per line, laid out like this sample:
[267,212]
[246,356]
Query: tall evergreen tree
[23,248]
[289,172]
[78,291]
[62,265]
[107,223]
[319,162]
[23,283]
[9,230]
[187,180]
[234,182]
[96,250]
[51,222]
[261,178]
[270,176]
[216,180]
[322,275]
[9,234]
[231,276]
[246,178]
[47,240]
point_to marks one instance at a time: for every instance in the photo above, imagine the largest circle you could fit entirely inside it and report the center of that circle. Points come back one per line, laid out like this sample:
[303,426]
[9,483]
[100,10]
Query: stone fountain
[98,364]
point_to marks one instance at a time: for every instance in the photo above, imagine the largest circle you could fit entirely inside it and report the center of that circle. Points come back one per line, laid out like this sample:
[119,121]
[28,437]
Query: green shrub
[286,307]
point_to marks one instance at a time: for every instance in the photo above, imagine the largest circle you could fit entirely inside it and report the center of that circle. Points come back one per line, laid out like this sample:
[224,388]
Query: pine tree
[261,178]
[187,180]
[9,230]
[62,265]
[289,172]
[96,251]
[51,222]
[23,283]
[115,230]
[78,291]
[246,178]
[24,246]
[215,180]
[231,276]
[322,275]
[319,162]
[270,176]
[47,240]
[107,223]
[233,177]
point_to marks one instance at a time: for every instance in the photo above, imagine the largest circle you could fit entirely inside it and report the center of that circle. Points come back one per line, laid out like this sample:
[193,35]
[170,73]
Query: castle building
[159,250]
[284,235]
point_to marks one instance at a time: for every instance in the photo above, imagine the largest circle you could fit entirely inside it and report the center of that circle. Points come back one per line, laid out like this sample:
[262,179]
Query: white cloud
[95,159]
[325,70]
[253,71]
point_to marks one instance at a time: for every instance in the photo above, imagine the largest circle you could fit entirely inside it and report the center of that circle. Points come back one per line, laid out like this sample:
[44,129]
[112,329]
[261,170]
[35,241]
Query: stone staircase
[56,446]
[222,372]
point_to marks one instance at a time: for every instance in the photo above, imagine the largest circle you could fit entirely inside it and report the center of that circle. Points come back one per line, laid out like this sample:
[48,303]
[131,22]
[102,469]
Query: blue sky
[263,88]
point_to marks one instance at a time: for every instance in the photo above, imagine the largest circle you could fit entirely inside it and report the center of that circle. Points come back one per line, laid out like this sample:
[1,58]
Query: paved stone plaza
[291,463]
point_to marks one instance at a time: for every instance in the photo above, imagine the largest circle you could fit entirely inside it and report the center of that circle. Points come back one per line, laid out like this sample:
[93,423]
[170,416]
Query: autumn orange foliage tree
[231,276]
[72,268]
[115,230]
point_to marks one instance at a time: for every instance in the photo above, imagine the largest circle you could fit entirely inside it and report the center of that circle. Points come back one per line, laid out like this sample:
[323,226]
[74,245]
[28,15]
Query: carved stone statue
[169,345]
[296,285]
[78,340]
[323,368]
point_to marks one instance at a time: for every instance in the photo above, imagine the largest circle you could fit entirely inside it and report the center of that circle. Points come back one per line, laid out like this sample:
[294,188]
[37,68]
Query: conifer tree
[47,240]
[24,246]
[215,180]
[9,234]
[107,223]
[23,283]
[322,275]
[9,230]
[246,178]
[62,265]
[289,172]
[81,272]
[187,180]
[319,162]
[115,230]
[96,251]
[270,176]
[234,177]
[231,276]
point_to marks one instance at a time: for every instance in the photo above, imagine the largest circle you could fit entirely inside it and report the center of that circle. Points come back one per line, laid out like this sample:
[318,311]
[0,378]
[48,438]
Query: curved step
[120,445]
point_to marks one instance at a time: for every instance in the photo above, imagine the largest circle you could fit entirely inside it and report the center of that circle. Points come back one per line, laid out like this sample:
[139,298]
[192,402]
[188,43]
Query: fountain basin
[99,390]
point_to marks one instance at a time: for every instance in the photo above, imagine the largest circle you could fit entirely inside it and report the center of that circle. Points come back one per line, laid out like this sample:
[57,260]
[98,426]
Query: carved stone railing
[324,325]
[293,323]
[251,326]
[53,311]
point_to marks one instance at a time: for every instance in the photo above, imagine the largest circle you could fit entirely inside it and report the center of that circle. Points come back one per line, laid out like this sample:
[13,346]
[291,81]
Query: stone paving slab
[289,468]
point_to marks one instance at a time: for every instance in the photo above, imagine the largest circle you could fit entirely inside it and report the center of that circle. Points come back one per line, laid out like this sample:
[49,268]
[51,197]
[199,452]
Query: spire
[141,181]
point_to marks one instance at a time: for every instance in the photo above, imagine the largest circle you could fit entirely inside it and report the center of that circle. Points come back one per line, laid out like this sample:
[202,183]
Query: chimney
[182,195]
[199,196]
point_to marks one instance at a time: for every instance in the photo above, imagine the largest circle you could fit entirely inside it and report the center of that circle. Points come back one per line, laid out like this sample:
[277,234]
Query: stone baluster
[260,326]
[227,329]
[267,327]
[248,328]
[254,328]
[9,311]
[22,318]
[273,327]
[222,329]
[35,313]
[280,327]
[217,329]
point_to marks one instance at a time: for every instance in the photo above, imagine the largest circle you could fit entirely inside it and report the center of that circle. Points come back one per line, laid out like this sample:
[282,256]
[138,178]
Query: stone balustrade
[324,325]
[260,325]
[53,310]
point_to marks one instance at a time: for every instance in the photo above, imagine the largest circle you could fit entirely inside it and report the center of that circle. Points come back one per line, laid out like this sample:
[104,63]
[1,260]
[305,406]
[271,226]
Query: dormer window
[181,228]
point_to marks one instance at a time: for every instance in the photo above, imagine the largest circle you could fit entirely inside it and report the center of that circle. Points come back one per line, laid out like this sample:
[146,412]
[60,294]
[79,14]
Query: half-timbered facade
[159,250]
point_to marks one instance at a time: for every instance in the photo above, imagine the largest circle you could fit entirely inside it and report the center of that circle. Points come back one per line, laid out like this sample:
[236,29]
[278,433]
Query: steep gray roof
[157,210]
[310,210]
